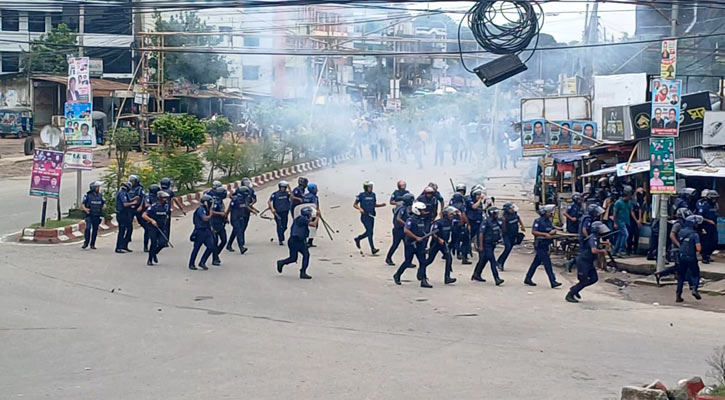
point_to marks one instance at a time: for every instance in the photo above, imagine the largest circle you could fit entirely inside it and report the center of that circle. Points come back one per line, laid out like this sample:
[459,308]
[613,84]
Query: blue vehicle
[16,121]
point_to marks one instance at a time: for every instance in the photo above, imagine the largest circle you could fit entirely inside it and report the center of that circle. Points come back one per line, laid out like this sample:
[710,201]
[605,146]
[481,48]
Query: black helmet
[461,188]
[302,181]
[576,196]
[599,228]
[408,199]
[133,179]
[713,194]
[508,206]
[247,182]
[694,220]
[282,184]
[689,192]
[433,185]
[165,183]
[163,195]
[492,212]
[125,185]
[449,211]
[595,210]
[242,191]
[215,184]
[221,192]
[206,200]
[306,211]
[154,189]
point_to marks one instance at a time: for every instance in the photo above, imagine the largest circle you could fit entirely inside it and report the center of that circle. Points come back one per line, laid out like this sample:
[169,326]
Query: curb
[75,231]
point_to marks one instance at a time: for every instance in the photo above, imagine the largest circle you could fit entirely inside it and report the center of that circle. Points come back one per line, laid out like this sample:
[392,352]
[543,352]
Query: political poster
[665,113]
[78,159]
[662,166]
[713,131]
[560,137]
[587,130]
[78,125]
[668,64]
[46,174]
[78,89]
[533,137]
[613,123]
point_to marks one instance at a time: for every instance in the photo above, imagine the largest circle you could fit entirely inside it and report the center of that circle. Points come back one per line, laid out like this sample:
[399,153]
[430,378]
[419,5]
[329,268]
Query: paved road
[89,325]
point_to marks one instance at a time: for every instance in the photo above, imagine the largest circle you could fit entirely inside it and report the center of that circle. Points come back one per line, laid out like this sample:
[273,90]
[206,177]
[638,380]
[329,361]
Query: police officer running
[202,234]
[415,228]
[588,253]
[297,242]
[709,213]
[251,199]
[366,202]
[510,232]
[397,196]
[240,212]
[124,216]
[92,205]
[441,233]
[543,231]
[165,184]
[401,213]
[218,222]
[681,214]
[489,234]
[155,217]
[280,204]
[690,248]
[311,198]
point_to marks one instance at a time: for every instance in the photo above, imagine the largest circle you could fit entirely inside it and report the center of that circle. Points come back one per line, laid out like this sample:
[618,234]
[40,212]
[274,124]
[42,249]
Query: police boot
[679,299]
[477,278]
[499,281]
[466,261]
[303,275]
[280,265]
[389,262]
[425,284]
[449,280]
[570,298]
[696,294]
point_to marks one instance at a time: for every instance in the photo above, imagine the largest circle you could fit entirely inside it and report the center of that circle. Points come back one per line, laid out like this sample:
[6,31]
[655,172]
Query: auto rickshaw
[16,121]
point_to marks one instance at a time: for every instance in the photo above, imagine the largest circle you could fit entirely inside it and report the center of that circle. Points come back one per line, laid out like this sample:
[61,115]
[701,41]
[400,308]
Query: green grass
[52,223]
[718,391]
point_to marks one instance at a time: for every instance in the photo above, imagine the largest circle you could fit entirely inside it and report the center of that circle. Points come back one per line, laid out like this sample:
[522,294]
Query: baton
[427,235]
[329,234]
[165,237]
[452,185]
[261,215]
[325,223]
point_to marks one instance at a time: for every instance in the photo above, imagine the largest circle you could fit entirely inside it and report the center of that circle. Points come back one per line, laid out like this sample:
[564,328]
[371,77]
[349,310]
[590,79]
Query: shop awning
[684,166]
[603,171]
[704,171]
[570,157]
[100,87]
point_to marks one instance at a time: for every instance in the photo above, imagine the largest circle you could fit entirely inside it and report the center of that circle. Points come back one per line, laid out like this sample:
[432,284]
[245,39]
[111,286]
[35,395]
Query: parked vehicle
[16,121]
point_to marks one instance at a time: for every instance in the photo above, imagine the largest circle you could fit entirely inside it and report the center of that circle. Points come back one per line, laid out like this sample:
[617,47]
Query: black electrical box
[500,69]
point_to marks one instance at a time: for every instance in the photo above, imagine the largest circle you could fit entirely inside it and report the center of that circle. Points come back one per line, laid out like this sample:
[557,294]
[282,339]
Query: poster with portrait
[78,125]
[662,166]
[668,64]
[78,89]
[46,174]
[588,132]
[78,159]
[613,123]
[533,137]
[666,98]
[560,136]
[713,130]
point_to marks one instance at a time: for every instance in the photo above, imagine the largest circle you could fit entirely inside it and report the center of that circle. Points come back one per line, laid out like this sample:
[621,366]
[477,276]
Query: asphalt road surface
[92,324]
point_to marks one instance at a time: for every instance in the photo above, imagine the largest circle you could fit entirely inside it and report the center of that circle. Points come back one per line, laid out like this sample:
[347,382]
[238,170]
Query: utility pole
[79,173]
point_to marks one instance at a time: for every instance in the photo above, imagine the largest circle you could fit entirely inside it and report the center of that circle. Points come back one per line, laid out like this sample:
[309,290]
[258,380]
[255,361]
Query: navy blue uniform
[148,201]
[510,231]
[681,202]
[586,272]
[444,229]
[239,218]
[586,223]
[710,237]
[397,195]
[94,202]
[367,202]
[298,192]
[401,211]
[136,193]
[124,217]
[202,235]
[157,212]
[169,204]
[251,198]
[299,233]
[282,205]
[575,211]
[688,266]
[490,231]
[542,224]
[475,218]
[218,227]
[416,224]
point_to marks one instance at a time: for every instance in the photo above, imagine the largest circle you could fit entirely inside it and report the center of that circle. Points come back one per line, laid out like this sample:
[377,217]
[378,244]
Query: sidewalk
[640,265]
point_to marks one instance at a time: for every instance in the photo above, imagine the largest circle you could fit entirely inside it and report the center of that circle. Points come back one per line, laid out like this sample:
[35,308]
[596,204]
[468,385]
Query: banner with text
[668,64]
[533,137]
[666,98]
[662,166]
[560,138]
[79,158]
[46,174]
[589,131]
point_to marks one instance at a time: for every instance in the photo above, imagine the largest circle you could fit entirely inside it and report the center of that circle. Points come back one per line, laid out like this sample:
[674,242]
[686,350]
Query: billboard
[78,159]
[668,64]
[533,137]
[46,174]
[78,89]
[78,125]
[662,166]
[613,123]
[560,138]
[666,97]
[588,130]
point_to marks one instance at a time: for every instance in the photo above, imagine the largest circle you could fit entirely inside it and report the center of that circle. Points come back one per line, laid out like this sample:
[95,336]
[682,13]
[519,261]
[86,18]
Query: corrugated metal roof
[100,87]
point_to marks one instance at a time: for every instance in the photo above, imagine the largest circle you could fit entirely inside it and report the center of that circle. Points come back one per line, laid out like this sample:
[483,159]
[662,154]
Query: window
[250,72]
[251,41]
[10,20]
[10,62]
[36,21]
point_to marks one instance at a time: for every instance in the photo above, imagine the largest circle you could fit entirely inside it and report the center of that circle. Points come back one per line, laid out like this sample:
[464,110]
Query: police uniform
[149,200]
[575,211]
[585,224]
[202,235]
[251,199]
[431,206]
[397,195]
[298,192]
[297,244]
[136,192]
[491,231]
[124,217]
[509,234]
[443,229]
[586,271]
[94,202]
[239,218]
[218,226]
[401,211]
[416,224]
[367,202]
[169,206]
[709,239]
[459,233]
[475,218]
[689,239]
[159,213]
[282,205]
[311,198]
[544,225]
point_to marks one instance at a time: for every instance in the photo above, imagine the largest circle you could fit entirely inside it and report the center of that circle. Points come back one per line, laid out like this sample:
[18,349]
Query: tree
[179,130]
[48,54]
[123,140]
[216,128]
[193,67]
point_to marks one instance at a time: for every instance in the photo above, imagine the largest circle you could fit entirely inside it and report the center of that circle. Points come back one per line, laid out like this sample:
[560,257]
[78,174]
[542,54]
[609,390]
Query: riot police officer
[684,200]
[313,200]
[124,217]
[92,205]
[279,204]
[460,239]
[543,231]
[202,234]
[165,184]
[136,193]
[218,223]
[397,196]
[681,215]
[510,232]
[489,235]
[297,242]
[400,215]
[250,200]
[690,248]
[239,212]
[588,253]
[594,213]
[474,213]
[709,213]
[415,228]
[298,193]
[440,242]
[155,217]
[573,213]
[148,201]
[366,202]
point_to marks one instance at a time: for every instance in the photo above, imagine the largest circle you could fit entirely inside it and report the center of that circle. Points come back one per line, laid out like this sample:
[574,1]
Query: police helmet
[126,185]
[713,194]
[163,195]
[433,185]
[449,211]
[599,228]
[546,209]
[221,192]
[402,185]
[302,181]
[476,192]
[576,196]
[306,211]
[282,184]
[206,199]
[242,191]
[408,199]
[96,184]
[492,212]
[418,208]
[247,182]
[165,183]
[367,184]
[216,184]
[704,192]
[461,187]
[429,190]
[154,189]
[508,206]
[133,179]
[688,192]
[595,210]
[694,220]
[312,187]
[683,212]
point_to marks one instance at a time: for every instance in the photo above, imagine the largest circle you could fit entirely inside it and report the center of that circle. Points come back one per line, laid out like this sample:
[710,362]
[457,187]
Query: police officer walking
[489,235]
[366,202]
[690,248]
[137,195]
[202,234]
[298,193]
[280,204]
[543,231]
[250,199]
[441,242]
[297,242]
[148,201]
[573,213]
[588,253]
[165,184]
[155,217]
[681,214]
[459,236]
[474,214]
[92,205]
[400,215]
[218,223]
[124,216]
[397,196]
[414,230]
[709,213]
[240,212]
[509,232]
